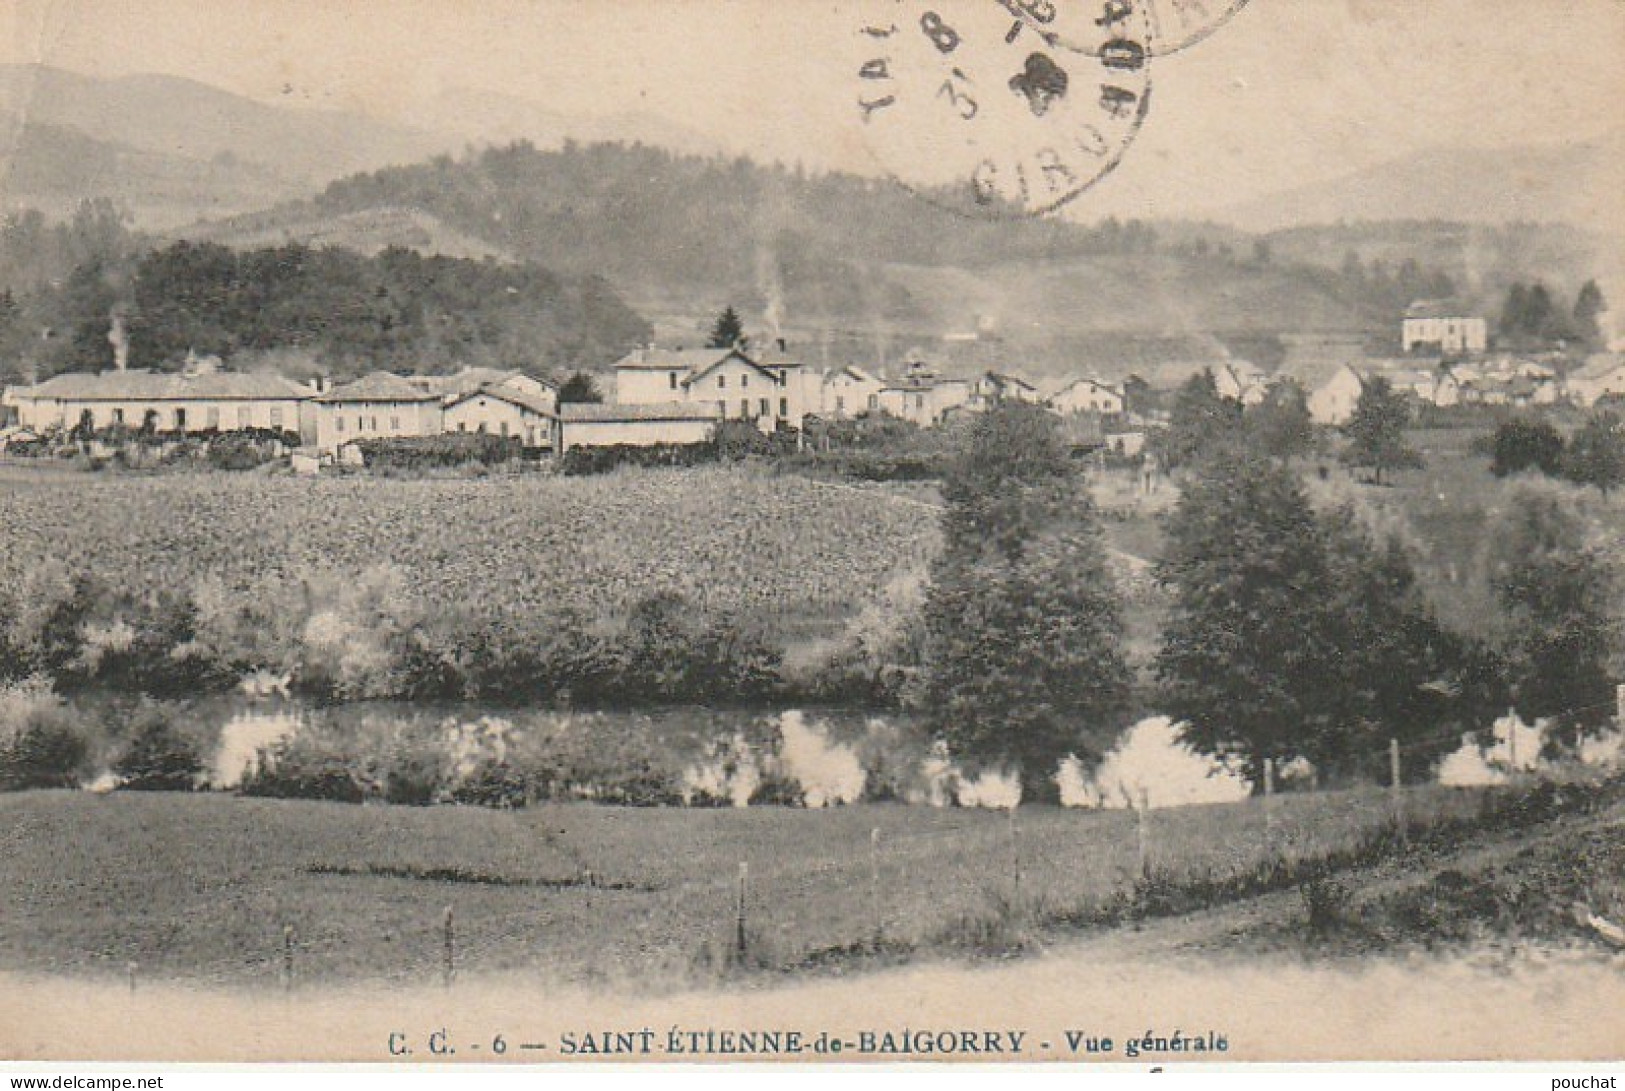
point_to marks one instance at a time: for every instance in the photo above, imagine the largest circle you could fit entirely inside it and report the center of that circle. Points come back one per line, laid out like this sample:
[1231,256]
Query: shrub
[582,461]
[47,754]
[1520,444]
[159,757]
[494,784]
[439,452]
[326,777]
[248,449]
[41,744]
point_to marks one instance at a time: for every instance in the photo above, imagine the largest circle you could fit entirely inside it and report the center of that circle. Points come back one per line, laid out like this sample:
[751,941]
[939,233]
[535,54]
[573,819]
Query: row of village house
[676,396]
[670,396]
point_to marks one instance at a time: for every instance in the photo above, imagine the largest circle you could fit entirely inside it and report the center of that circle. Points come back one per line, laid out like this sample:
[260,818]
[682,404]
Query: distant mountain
[52,169]
[1555,183]
[490,117]
[171,149]
[173,116]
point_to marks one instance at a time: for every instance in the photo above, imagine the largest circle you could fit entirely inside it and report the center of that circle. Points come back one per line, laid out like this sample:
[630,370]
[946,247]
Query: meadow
[202,887]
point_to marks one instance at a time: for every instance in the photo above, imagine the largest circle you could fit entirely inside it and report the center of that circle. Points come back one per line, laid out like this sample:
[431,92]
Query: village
[677,396]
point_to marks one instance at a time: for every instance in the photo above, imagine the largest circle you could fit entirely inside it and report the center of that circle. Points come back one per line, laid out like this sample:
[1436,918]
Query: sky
[1286,92]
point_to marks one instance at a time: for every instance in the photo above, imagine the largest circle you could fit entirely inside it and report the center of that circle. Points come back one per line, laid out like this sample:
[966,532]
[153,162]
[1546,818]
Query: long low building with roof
[162,402]
[639,424]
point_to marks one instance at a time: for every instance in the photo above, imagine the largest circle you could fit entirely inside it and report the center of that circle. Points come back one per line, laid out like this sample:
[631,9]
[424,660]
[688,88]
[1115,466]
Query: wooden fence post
[448,966]
[740,943]
[874,885]
[287,956]
[1144,834]
[1015,862]
[1269,809]
[1395,788]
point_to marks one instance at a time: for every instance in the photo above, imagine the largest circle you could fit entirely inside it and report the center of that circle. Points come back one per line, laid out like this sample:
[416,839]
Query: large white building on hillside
[1443,327]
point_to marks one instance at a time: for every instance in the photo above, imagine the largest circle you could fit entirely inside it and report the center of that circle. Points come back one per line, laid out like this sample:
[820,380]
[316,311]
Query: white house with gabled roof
[768,389]
[502,410]
[1087,395]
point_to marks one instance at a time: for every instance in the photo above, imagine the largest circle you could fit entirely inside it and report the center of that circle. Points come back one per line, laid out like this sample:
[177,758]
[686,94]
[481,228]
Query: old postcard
[872,531]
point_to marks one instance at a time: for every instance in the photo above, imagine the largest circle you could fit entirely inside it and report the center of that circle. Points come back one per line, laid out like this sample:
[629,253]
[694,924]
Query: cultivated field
[732,540]
[201,887]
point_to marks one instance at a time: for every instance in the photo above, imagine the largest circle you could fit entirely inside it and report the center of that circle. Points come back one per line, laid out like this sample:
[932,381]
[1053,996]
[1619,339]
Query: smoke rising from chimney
[120,340]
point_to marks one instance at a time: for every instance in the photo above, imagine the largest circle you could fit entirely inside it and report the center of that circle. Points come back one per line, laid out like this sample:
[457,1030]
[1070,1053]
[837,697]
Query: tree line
[1531,318]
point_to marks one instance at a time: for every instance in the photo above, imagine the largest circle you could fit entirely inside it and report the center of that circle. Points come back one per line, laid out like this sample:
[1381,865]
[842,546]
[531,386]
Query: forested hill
[865,270]
[828,252]
[66,290]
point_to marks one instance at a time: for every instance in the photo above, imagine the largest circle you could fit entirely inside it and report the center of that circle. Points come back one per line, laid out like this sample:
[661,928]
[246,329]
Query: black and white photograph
[864,533]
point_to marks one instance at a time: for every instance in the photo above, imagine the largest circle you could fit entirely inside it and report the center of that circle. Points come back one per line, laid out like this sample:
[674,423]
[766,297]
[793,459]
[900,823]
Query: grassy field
[200,887]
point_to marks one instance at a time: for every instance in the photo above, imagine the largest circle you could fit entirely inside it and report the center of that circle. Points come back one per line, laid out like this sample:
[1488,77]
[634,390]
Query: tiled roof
[700,373]
[522,398]
[154,386]
[696,360]
[1437,308]
[469,378]
[380,386]
[670,359]
[592,412]
[1001,378]
[1055,388]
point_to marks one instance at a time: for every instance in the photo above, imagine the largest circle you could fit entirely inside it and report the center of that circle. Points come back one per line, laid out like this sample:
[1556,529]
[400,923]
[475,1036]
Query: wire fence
[876,880]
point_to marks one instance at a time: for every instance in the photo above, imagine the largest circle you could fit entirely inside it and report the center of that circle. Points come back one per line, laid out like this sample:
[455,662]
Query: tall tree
[1515,311]
[727,331]
[1376,431]
[1589,306]
[1395,673]
[83,318]
[1198,419]
[579,387]
[1023,660]
[1245,659]
[1559,635]
[1280,426]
